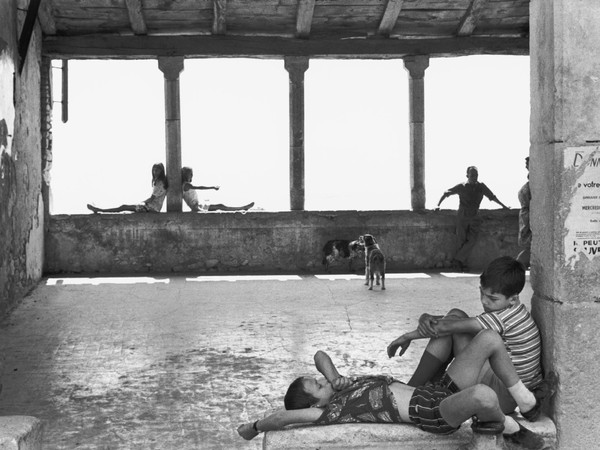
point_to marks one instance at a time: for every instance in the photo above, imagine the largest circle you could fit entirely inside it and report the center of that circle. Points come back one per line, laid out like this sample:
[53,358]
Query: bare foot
[93,208]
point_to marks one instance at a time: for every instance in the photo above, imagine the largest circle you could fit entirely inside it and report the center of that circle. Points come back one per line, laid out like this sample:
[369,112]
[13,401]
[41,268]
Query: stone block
[384,436]
[20,433]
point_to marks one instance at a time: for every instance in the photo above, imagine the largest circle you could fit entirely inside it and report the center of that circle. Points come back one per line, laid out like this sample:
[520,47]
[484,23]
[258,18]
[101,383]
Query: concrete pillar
[565,208]
[415,66]
[296,66]
[171,68]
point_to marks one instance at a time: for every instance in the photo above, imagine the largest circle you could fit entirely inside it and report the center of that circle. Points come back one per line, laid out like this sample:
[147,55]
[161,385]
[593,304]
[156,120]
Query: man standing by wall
[468,223]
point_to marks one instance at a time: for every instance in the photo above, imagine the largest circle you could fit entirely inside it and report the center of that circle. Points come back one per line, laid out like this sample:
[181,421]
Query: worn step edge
[384,436]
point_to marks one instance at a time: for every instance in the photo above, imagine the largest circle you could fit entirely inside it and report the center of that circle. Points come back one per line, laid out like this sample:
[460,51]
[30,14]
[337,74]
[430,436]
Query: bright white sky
[235,131]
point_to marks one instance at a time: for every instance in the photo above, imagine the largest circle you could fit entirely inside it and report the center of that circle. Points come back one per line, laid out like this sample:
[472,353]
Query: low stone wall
[259,242]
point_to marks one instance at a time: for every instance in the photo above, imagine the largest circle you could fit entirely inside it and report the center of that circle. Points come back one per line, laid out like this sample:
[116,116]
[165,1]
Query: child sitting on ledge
[190,196]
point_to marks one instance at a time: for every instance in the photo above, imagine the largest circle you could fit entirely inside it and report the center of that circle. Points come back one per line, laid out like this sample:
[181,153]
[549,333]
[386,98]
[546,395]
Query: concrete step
[20,433]
[385,436]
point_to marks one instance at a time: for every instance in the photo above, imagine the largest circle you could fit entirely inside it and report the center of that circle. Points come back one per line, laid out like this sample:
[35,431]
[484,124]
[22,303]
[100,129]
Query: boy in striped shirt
[501,283]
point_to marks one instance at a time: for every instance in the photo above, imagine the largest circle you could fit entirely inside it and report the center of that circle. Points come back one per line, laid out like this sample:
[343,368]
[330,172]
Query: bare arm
[279,420]
[402,342]
[447,326]
[501,204]
[216,188]
[438,326]
[324,365]
[444,196]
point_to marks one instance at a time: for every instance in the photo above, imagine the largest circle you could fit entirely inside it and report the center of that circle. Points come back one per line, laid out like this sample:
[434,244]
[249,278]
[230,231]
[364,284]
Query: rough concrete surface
[180,362]
[20,433]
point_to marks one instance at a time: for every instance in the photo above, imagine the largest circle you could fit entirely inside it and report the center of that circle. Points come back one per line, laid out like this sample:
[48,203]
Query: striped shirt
[521,337]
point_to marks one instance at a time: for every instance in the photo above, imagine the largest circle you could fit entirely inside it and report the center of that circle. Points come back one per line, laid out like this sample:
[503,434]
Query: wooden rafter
[136,17]
[390,16]
[27,31]
[469,20]
[306,9]
[46,17]
[140,47]
[220,17]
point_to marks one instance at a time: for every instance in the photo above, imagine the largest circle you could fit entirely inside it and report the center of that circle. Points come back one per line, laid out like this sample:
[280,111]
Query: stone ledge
[384,436]
[20,433]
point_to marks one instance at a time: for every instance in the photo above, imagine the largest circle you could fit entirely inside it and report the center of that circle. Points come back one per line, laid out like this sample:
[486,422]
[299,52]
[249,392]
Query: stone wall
[21,204]
[261,241]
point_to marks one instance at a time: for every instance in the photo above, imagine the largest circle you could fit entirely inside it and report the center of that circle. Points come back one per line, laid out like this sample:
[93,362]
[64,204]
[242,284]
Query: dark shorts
[424,406]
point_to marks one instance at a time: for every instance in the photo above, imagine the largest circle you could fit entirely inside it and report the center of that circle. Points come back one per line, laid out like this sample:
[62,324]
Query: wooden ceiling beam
[46,17]
[390,16]
[306,9]
[219,17]
[150,47]
[469,21]
[136,16]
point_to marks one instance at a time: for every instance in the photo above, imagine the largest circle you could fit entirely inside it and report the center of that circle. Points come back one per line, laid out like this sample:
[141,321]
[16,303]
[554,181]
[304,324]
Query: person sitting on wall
[152,204]
[190,196]
[468,223]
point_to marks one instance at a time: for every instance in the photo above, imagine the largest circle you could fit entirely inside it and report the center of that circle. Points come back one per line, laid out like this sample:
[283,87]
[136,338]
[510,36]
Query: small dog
[338,249]
[374,261]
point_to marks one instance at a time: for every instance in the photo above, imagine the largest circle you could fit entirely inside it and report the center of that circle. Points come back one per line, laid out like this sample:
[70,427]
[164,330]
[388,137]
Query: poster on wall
[7,110]
[582,224]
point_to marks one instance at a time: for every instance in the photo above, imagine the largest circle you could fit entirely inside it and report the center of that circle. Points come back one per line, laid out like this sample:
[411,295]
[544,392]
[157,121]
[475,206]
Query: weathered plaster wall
[565,115]
[261,241]
[21,205]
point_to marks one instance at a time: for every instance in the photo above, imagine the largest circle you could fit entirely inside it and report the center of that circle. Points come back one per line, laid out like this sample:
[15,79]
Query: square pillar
[565,208]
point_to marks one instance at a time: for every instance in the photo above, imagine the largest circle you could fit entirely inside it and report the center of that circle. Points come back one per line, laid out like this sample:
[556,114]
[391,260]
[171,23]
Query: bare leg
[439,353]
[121,208]
[478,400]
[221,207]
[487,345]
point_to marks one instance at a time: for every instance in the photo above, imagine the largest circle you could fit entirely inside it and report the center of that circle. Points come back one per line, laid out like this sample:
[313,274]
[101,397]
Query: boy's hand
[402,342]
[341,383]
[247,431]
[216,188]
[426,326]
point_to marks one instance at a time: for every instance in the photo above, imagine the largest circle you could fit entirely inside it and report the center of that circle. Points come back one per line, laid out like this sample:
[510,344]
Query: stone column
[565,208]
[46,105]
[171,68]
[296,66]
[415,66]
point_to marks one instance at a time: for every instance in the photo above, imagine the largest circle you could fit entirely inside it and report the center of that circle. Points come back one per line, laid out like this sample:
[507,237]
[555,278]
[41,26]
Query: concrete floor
[178,362]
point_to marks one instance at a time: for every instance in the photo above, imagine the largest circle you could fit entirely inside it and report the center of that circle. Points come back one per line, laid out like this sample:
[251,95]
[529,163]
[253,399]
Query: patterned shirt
[368,399]
[522,340]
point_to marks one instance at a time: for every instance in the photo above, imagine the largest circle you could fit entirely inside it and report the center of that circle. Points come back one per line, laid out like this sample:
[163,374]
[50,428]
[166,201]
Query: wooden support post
[171,68]
[416,65]
[296,66]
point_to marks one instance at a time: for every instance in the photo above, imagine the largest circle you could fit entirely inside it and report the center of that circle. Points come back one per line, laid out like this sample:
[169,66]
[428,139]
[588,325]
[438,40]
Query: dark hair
[472,168]
[504,275]
[296,397]
[185,171]
[162,176]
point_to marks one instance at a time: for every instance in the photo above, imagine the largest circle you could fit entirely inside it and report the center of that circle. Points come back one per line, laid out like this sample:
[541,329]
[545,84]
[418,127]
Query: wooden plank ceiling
[276,28]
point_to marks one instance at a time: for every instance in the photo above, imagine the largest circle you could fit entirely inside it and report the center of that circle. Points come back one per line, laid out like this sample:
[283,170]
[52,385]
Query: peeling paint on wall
[582,224]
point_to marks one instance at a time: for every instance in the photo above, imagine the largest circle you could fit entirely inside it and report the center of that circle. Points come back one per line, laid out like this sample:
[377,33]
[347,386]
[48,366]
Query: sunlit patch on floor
[95,281]
[458,275]
[233,278]
[391,276]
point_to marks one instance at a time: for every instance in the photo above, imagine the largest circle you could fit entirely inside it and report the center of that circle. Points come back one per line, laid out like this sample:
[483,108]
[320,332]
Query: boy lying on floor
[437,408]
